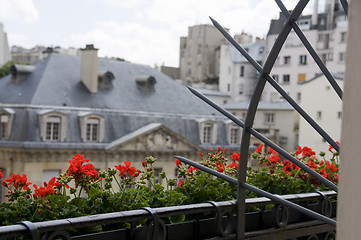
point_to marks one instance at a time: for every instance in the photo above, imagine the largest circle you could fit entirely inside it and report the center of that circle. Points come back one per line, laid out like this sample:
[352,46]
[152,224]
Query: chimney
[89,68]
[314,14]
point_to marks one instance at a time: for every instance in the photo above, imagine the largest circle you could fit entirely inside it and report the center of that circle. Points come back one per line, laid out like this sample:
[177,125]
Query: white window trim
[229,126]
[43,120]
[201,126]
[87,118]
[267,119]
[9,116]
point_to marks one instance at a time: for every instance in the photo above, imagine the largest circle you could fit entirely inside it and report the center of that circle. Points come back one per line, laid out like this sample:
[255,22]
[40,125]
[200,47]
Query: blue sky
[140,31]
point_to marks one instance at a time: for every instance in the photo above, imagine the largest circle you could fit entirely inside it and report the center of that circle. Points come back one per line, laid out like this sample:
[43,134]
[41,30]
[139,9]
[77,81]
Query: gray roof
[261,106]
[208,92]
[253,50]
[56,82]
[337,76]
[55,85]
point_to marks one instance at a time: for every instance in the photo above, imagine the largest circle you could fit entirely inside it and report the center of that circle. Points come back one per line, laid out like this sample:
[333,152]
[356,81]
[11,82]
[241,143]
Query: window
[329,56]
[320,37]
[339,115]
[341,57]
[49,174]
[241,71]
[199,50]
[298,97]
[303,59]
[302,77]
[189,69]
[53,128]
[92,128]
[261,50]
[269,118]
[318,115]
[287,60]
[286,79]
[207,133]
[275,77]
[228,87]
[234,135]
[241,88]
[343,37]
[4,119]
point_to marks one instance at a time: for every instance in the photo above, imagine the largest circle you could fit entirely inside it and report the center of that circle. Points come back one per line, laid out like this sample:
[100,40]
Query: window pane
[207,131]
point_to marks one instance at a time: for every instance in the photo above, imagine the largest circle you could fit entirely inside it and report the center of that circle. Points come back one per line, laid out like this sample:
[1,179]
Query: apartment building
[326,32]
[199,55]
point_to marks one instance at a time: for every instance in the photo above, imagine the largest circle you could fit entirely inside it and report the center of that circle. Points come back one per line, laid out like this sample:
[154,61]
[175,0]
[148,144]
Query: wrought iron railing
[205,220]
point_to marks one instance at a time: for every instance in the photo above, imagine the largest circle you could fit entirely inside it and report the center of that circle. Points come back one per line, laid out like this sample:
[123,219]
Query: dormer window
[6,117]
[91,127]
[52,126]
[233,133]
[207,132]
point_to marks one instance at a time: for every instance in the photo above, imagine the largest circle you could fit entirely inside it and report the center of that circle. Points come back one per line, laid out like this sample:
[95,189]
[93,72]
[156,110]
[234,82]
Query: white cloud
[132,41]
[123,3]
[21,10]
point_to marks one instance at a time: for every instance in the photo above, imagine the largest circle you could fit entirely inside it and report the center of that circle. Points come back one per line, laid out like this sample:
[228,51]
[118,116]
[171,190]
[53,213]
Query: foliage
[126,188]
[5,69]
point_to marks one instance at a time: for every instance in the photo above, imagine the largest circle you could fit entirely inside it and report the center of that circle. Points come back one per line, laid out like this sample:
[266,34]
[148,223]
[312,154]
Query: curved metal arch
[247,125]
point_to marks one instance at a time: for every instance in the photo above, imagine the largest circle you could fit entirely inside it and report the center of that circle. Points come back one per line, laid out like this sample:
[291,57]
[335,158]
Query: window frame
[211,135]
[269,118]
[6,120]
[44,119]
[91,118]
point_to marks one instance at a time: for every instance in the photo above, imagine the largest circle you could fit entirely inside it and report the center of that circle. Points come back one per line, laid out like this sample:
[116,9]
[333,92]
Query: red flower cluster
[17,181]
[180,183]
[259,149]
[48,189]
[78,170]
[273,158]
[1,174]
[306,151]
[123,170]
[235,156]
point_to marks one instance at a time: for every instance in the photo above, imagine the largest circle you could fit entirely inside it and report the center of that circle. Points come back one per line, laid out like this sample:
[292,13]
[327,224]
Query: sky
[140,31]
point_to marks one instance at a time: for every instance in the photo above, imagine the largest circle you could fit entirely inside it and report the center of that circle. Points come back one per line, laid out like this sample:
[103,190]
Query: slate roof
[56,82]
[55,85]
[261,106]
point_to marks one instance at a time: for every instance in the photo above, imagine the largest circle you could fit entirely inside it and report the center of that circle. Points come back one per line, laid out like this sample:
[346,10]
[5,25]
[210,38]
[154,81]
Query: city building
[326,32]
[109,110]
[4,46]
[277,121]
[29,56]
[237,76]
[199,55]
[327,112]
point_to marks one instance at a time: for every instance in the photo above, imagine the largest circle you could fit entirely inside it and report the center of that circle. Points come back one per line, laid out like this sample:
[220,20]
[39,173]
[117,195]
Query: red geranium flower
[235,156]
[132,171]
[180,183]
[258,149]
[48,189]
[18,181]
